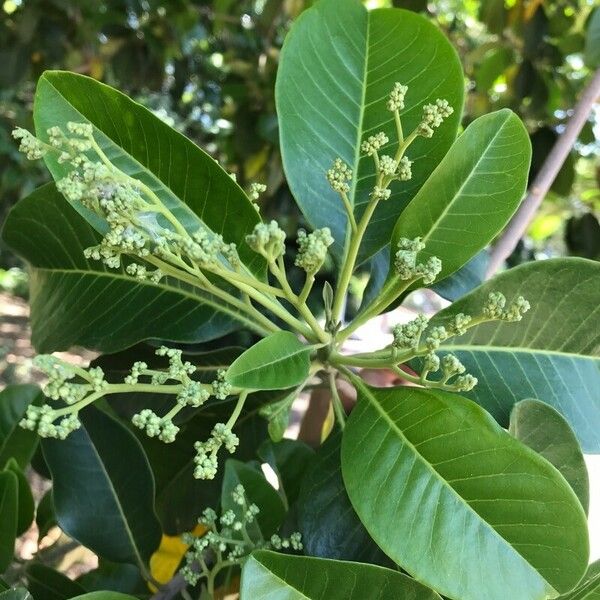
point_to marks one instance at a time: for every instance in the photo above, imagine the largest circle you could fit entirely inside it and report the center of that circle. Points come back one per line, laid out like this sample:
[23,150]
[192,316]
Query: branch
[544,179]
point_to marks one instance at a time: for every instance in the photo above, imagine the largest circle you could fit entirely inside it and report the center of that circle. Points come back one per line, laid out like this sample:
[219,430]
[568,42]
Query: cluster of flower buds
[44,421]
[396,100]
[29,145]
[406,266]
[229,539]
[433,117]
[155,426]
[495,307]
[374,143]
[206,460]
[339,176]
[312,249]
[268,240]
[256,189]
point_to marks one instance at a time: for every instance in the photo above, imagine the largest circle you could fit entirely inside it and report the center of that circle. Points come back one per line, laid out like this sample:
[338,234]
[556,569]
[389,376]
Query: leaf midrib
[514,350]
[300,350]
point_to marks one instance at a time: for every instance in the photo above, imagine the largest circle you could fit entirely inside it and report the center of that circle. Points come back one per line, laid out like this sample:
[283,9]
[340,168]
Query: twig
[171,589]
[544,179]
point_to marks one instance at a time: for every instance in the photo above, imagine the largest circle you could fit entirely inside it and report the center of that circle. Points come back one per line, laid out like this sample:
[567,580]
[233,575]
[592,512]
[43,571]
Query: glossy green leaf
[463,493]
[589,587]
[3,585]
[553,354]
[329,525]
[45,583]
[283,577]
[187,180]
[26,506]
[338,65]
[289,460]
[276,362]
[16,442]
[258,491]
[8,523]
[75,301]
[472,193]
[45,516]
[103,489]
[545,430]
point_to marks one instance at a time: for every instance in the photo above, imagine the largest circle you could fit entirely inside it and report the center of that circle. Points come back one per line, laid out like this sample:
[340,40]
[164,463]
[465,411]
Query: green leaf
[463,493]
[103,489]
[276,362]
[589,586]
[16,442]
[16,594]
[3,585]
[278,415]
[329,525]
[45,583]
[544,430]
[592,40]
[289,460]
[338,65]
[269,574]
[9,509]
[553,354]
[25,503]
[472,193]
[258,491]
[45,516]
[466,279]
[187,180]
[75,301]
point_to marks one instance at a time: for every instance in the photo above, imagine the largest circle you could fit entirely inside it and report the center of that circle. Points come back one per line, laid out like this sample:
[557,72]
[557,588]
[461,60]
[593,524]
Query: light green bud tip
[268,240]
[406,265]
[339,175]
[407,336]
[312,249]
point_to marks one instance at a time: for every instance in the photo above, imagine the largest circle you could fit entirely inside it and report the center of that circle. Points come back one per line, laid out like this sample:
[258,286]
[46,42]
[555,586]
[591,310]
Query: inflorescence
[77,387]
[229,540]
[417,339]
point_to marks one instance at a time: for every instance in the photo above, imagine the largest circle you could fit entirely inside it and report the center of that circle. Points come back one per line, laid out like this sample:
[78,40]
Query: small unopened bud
[312,249]
[396,99]
[339,175]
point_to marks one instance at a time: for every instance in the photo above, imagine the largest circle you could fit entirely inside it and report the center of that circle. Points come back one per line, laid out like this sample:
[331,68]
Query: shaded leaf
[16,594]
[258,491]
[589,587]
[463,493]
[24,498]
[329,525]
[75,301]
[16,442]
[545,430]
[553,354]
[268,574]
[467,278]
[276,362]
[101,500]
[45,583]
[338,65]
[592,41]
[9,510]
[114,577]
[45,516]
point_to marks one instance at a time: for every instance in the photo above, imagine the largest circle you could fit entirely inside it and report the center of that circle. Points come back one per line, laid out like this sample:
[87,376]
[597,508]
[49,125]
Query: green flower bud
[267,240]
[339,175]
[374,143]
[29,145]
[312,249]
[396,99]
[408,335]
